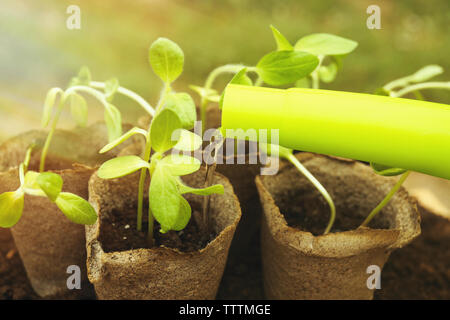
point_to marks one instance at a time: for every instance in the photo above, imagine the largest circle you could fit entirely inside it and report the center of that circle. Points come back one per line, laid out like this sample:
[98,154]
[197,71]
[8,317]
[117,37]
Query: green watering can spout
[397,132]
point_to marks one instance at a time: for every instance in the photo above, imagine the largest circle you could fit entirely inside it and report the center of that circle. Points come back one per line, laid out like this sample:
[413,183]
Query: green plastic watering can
[401,133]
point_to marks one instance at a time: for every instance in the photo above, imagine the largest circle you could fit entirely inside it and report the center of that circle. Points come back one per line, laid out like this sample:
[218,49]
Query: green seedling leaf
[328,73]
[49,104]
[325,44]
[166,59]
[184,215]
[384,170]
[113,120]
[79,109]
[84,76]
[180,165]
[183,105]
[30,181]
[303,83]
[164,199]
[217,188]
[76,209]
[51,184]
[282,42]
[187,140]
[11,208]
[111,87]
[121,166]
[163,125]
[123,138]
[284,67]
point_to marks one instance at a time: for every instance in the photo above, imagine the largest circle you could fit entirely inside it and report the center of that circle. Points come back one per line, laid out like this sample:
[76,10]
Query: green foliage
[111,87]
[174,116]
[182,104]
[166,59]
[282,42]
[79,109]
[11,207]
[325,44]
[162,128]
[386,170]
[76,209]
[51,184]
[46,184]
[49,104]
[121,166]
[113,120]
[284,67]
[123,138]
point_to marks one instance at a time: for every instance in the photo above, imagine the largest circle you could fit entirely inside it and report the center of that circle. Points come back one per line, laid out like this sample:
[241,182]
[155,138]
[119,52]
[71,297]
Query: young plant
[175,114]
[278,68]
[409,84]
[79,109]
[47,185]
[314,47]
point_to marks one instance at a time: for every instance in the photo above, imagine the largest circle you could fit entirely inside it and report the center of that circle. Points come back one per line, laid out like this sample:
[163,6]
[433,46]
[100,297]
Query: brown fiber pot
[241,174]
[300,265]
[46,240]
[160,272]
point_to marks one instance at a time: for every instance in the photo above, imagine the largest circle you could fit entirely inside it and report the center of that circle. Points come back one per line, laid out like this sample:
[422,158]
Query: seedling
[47,185]
[409,84]
[175,114]
[302,64]
[79,108]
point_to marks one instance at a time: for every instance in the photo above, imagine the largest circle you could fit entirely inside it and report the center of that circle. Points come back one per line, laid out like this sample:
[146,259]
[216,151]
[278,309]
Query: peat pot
[120,264]
[299,262]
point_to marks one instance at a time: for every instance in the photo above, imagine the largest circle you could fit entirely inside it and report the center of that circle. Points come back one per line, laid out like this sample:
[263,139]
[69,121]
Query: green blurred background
[38,52]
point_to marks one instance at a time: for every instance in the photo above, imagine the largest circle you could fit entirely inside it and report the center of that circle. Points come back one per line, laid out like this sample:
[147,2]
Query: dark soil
[312,214]
[13,279]
[118,233]
[420,270]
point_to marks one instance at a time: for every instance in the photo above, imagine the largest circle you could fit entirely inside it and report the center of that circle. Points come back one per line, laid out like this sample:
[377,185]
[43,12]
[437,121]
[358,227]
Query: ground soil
[118,233]
[421,270]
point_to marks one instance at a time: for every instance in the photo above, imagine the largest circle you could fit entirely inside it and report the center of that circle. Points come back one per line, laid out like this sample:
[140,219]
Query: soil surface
[420,270]
[118,233]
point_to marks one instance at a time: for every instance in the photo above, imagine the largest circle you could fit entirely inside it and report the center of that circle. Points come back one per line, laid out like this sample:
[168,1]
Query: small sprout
[47,185]
[175,114]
